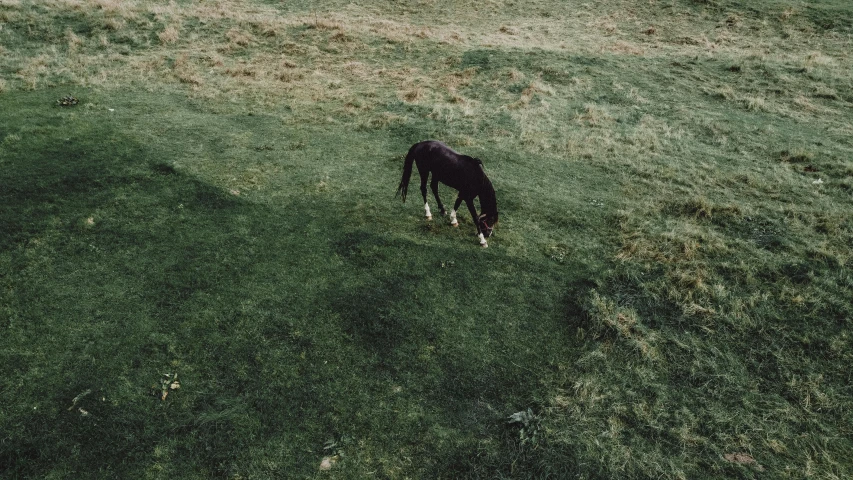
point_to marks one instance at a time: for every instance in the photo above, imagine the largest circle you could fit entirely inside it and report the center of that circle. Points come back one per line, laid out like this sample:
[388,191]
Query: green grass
[668,290]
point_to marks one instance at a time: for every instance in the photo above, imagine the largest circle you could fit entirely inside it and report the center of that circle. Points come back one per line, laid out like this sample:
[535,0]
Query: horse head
[487,222]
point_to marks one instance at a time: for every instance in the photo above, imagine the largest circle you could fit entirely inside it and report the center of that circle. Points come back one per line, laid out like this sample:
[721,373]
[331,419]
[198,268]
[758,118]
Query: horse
[461,172]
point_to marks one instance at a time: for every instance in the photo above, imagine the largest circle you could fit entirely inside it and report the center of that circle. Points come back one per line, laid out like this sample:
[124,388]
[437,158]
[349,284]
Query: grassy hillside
[204,272]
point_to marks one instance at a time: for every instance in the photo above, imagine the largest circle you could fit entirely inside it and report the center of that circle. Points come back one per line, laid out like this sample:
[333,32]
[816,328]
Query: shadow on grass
[120,269]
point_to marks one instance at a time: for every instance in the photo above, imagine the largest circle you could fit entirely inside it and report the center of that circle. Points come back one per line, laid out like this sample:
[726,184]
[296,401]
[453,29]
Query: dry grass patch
[453,109]
[34,70]
[113,24]
[582,148]
[787,14]
[358,70]
[242,70]
[169,35]
[607,318]
[594,115]
[74,41]
[232,10]
[397,32]
[290,76]
[805,104]
[413,94]
[383,120]
[818,59]
[458,79]
[514,75]
[606,25]
[165,12]
[683,242]
[623,47]
[238,38]
[112,6]
[653,134]
[341,37]
[509,30]
[325,24]
[529,92]
[756,104]
[184,69]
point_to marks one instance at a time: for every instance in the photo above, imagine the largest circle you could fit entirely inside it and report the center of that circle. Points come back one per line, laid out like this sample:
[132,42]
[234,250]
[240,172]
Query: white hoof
[454,224]
[429,217]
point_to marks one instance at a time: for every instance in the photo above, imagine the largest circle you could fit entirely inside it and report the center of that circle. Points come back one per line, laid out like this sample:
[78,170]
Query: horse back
[462,172]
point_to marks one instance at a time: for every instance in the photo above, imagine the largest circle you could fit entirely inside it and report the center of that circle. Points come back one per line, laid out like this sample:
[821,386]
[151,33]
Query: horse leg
[453,221]
[424,177]
[434,186]
[470,203]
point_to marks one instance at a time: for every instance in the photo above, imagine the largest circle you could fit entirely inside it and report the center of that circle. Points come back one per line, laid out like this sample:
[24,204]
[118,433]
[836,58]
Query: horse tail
[403,188]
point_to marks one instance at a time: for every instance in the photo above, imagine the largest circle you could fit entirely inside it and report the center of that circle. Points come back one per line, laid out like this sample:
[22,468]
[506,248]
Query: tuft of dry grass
[325,24]
[756,104]
[114,23]
[509,30]
[515,75]
[110,6]
[397,32]
[607,318]
[594,115]
[169,35]
[529,92]
[787,14]
[239,38]
[458,79]
[818,59]
[413,94]
[383,120]
[290,74]
[186,71]
[624,47]
[74,41]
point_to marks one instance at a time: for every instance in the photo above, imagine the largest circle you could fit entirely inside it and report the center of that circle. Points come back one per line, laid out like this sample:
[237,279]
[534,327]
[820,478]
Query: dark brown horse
[464,173]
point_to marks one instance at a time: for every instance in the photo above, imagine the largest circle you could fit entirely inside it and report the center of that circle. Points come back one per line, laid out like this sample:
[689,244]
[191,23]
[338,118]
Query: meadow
[204,272]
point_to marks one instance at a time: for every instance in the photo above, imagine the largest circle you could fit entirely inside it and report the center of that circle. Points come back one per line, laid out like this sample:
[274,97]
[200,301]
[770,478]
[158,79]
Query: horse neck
[488,200]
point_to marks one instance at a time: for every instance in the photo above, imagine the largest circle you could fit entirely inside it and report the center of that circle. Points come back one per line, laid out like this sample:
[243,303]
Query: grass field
[204,272]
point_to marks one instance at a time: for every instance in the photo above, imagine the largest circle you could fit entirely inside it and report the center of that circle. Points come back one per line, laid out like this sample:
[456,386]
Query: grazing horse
[464,173]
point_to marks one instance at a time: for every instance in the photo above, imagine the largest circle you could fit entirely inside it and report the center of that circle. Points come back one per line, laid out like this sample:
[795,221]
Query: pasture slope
[204,273]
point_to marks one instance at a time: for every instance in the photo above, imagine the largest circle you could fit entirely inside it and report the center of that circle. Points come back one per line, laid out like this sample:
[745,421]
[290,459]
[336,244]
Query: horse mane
[488,199]
[475,161]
